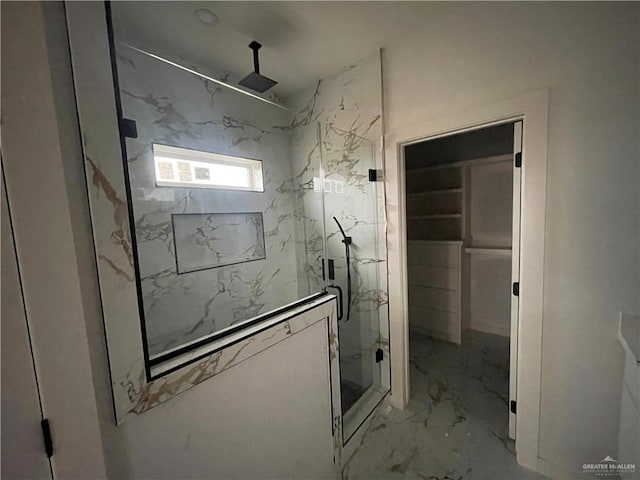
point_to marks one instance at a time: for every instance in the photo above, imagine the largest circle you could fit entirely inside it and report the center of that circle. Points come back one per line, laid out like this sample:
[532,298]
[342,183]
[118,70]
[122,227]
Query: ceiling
[302,41]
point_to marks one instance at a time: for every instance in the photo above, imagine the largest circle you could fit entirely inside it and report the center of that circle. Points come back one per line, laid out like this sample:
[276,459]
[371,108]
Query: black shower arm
[255,46]
[345,239]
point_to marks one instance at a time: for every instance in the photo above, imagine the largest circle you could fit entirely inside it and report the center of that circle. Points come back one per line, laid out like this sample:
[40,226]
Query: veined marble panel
[209,240]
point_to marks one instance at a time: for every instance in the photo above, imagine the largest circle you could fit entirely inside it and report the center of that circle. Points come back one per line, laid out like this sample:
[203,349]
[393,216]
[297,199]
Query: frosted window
[182,167]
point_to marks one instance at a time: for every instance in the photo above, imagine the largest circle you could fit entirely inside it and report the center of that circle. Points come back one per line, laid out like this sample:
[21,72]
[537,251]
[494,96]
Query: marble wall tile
[210,240]
[173,107]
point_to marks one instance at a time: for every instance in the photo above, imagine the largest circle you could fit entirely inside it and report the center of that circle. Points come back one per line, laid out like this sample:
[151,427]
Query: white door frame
[533,108]
[515,276]
[24,454]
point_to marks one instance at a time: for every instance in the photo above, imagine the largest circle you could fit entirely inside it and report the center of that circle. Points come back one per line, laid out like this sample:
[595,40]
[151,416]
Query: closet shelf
[448,242]
[462,163]
[504,251]
[435,192]
[434,216]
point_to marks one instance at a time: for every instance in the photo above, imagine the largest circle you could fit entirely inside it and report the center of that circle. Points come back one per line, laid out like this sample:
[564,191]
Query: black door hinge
[332,269]
[512,406]
[518,159]
[374,176]
[129,128]
[516,289]
[379,355]
[46,435]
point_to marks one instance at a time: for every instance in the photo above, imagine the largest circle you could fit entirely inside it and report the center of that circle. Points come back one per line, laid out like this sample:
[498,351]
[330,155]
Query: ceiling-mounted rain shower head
[255,81]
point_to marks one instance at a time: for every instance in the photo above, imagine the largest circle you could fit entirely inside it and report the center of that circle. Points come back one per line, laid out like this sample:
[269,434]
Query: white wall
[587,54]
[490,224]
[267,417]
[490,292]
[22,449]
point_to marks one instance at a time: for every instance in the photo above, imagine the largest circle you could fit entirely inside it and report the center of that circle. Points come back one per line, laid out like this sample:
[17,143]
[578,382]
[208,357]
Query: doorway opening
[533,110]
[462,197]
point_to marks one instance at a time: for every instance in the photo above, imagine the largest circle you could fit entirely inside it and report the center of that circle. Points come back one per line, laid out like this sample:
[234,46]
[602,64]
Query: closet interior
[459,207]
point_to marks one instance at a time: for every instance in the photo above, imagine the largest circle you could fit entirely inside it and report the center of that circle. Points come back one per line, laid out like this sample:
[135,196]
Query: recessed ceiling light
[207,17]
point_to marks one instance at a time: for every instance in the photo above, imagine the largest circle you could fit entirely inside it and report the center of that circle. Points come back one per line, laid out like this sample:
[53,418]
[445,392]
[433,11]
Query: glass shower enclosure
[244,205]
[351,202]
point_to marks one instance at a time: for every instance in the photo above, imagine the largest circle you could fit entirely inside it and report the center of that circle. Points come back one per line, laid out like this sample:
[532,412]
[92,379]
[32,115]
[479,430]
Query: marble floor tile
[455,426]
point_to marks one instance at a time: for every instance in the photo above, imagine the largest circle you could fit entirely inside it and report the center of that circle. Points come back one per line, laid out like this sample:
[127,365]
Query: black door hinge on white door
[516,289]
[518,159]
[513,406]
[375,175]
[379,355]
[46,435]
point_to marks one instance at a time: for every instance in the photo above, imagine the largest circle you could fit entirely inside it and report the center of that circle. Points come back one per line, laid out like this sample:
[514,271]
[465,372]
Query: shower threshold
[361,410]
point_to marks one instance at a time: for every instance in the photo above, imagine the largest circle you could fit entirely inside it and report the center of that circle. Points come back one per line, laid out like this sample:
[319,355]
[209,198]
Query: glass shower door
[354,232]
